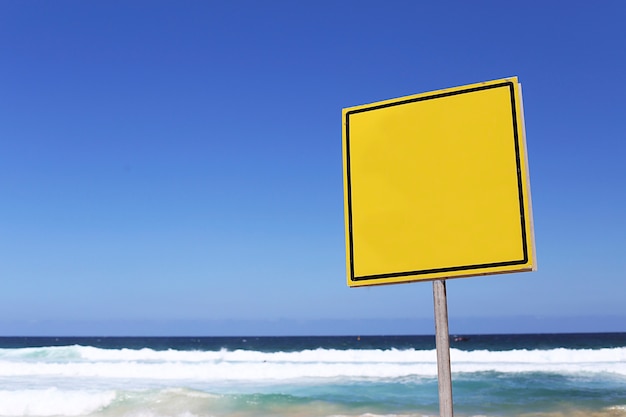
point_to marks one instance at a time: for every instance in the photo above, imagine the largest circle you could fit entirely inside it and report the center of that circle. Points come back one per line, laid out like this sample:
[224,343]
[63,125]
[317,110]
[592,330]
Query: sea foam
[247,365]
[53,402]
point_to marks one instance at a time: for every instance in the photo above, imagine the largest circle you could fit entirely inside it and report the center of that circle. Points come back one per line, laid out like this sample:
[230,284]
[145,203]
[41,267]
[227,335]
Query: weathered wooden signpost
[435,187]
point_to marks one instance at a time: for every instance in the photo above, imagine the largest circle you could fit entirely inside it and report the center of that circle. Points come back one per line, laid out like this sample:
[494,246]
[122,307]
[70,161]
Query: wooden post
[442,339]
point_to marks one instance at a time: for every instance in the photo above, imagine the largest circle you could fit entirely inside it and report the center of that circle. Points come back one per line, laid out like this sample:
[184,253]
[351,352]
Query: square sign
[436,186]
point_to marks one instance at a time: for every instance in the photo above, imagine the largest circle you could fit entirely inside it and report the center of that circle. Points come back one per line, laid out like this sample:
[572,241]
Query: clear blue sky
[175,167]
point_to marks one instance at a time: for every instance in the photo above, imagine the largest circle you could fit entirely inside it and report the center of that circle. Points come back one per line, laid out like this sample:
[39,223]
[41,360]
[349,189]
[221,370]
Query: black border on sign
[516,138]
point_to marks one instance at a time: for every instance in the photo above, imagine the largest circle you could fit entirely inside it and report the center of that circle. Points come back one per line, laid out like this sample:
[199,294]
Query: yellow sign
[436,186]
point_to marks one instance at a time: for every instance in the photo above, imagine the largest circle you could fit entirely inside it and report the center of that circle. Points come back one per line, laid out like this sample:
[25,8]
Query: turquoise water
[493,375]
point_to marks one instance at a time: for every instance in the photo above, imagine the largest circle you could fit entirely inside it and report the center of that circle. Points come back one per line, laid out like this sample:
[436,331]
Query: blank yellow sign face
[436,186]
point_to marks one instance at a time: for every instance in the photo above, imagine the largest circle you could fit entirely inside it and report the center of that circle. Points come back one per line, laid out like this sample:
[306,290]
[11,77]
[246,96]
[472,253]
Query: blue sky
[174,167]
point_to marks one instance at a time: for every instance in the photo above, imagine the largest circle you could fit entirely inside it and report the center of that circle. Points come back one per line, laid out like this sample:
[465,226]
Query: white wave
[53,402]
[304,356]
[559,355]
[243,365]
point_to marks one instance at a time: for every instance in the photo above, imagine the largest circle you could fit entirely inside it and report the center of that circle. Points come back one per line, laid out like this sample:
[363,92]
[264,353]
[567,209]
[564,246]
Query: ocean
[546,375]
